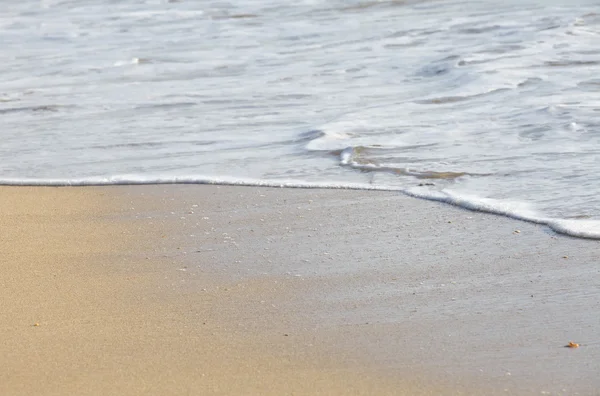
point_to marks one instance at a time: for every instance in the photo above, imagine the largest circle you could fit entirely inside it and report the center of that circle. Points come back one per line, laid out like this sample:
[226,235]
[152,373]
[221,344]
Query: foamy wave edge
[589,229]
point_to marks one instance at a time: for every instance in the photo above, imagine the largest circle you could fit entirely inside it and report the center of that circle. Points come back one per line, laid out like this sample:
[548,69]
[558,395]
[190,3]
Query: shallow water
[485,105]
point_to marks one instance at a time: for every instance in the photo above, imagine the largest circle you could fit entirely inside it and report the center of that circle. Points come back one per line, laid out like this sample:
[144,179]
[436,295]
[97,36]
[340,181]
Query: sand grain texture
[88,307]
[237,290]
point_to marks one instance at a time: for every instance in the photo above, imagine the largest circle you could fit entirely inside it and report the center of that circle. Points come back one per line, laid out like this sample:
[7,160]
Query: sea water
[490,105]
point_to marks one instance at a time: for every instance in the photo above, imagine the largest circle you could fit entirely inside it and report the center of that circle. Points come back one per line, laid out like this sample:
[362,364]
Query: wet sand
[240,290]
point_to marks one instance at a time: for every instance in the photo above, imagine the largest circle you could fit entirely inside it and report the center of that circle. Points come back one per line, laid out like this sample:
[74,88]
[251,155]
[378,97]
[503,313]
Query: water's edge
[587,229]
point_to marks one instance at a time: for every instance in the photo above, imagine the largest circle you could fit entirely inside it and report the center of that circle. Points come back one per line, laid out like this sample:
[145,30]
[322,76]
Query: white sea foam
[577,228]
[516,210]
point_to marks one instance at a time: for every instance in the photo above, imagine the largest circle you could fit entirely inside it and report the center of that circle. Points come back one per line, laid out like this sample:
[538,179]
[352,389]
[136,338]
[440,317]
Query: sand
[239,290]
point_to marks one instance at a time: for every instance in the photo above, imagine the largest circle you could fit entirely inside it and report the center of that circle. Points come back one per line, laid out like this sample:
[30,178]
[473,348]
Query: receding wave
[351,157]
[589,229]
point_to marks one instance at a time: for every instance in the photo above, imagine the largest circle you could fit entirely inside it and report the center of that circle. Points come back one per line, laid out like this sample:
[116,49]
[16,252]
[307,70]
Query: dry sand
[237,290]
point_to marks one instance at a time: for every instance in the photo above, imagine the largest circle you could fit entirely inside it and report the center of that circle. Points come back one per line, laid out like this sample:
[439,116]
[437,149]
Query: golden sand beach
[205,290]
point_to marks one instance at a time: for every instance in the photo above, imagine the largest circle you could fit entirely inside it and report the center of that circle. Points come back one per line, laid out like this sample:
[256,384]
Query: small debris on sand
[572,344]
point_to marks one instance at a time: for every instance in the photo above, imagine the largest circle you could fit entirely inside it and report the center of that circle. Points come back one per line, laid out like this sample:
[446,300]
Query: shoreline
[259,290]
[573,227]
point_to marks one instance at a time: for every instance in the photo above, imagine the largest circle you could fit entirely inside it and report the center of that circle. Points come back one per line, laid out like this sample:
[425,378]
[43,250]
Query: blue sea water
[487,105]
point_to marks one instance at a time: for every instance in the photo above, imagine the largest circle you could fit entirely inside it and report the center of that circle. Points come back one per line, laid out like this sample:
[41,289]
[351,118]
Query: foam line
[118,180]
[589,229]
